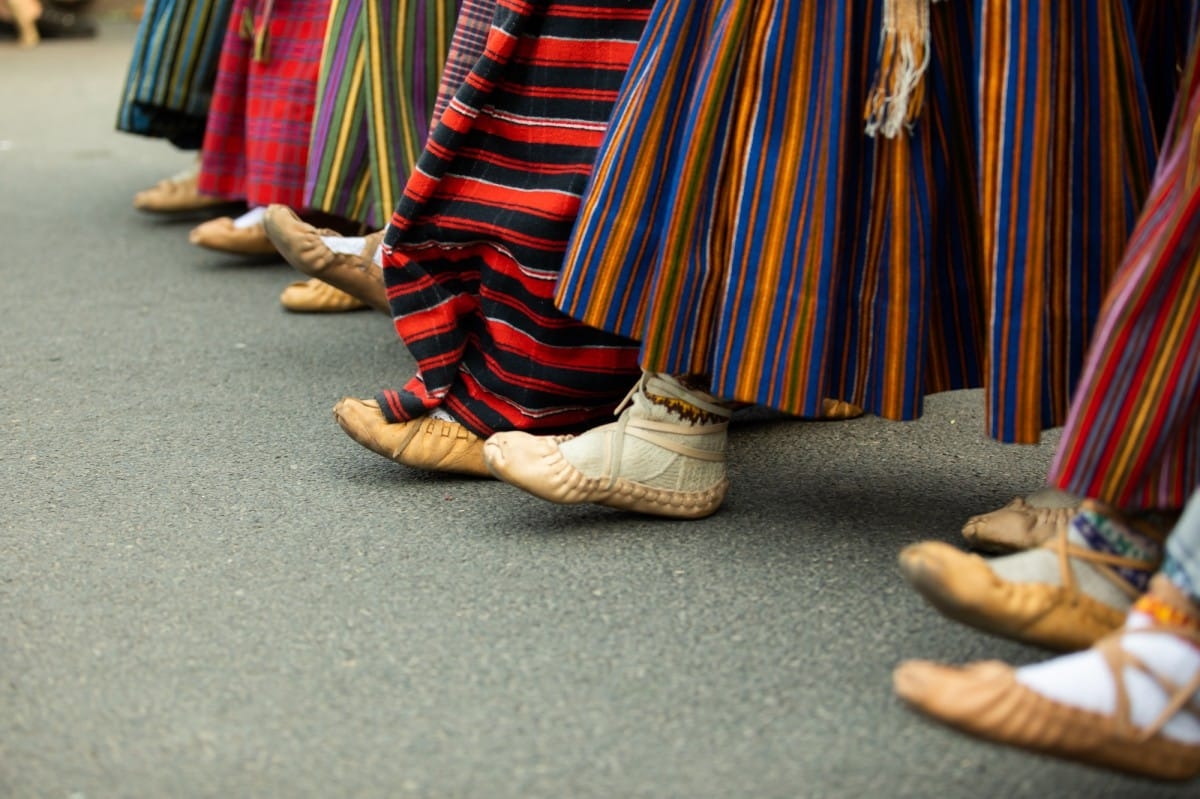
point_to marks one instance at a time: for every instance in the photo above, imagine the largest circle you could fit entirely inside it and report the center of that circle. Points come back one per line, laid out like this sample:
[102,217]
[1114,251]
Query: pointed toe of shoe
[532,463]
[315,296]
[969,696]
[175,196]
[424,443]
[361,419]
[223,235]
[1015,527]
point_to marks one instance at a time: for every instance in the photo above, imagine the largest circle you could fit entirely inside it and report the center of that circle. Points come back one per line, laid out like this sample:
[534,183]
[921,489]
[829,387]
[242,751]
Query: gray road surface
[207,590]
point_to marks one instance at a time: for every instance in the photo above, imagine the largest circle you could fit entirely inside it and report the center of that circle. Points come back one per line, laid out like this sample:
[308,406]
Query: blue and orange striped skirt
[743,228]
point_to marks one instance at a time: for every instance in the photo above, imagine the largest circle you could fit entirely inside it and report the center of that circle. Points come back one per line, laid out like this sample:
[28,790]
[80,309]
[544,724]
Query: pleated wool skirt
[474,247]
[169,85]
[743,228]
[376,93]
[256,144]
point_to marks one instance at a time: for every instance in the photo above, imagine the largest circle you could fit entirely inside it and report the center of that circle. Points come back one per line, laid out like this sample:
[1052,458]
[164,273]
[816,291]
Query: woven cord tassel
[897,94]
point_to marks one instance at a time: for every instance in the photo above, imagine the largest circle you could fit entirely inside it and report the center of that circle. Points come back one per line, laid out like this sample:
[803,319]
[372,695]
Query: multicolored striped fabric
[171,73]
[1067,151]
[375,96]
[256,145]
[1133,436]
[466,47]
[473,251]
[742,227]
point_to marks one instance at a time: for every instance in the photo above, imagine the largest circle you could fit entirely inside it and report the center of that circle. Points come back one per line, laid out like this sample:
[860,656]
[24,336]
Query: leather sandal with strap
[965,588]
[987,700]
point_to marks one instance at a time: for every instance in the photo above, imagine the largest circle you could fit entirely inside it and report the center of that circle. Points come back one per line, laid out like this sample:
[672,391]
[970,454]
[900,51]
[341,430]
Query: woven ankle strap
[1103,562]
[1182,697]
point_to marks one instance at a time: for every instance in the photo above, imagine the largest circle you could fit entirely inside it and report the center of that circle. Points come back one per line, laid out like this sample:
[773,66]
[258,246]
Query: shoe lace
[1103,562]
[1118,658]
[648,429]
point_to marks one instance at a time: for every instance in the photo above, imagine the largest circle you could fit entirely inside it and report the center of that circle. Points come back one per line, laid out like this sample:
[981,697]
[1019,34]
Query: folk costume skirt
[174,66]
[1133,436]
[1073,96]
[744,229]
[376,92]
[474,247]
[256,144]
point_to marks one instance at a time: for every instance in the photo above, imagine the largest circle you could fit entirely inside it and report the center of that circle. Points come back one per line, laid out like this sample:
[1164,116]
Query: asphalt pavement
[208,590]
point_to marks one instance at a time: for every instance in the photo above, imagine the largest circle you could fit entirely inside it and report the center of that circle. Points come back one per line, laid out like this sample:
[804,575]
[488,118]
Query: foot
[665,456]
[309,249]
[242,236]
[315,296]
[1064,595]
[1022,523]
[1130,703]
[25,16]
[833,410]
[176,195]
[424,443]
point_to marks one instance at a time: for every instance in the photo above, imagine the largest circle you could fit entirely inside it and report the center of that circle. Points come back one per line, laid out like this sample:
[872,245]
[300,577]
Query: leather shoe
[649,461]
[425,443]
[1061,617]
[220,234]
[304,247]
[1017,526]
[315,296]
[175,195]
[986,699]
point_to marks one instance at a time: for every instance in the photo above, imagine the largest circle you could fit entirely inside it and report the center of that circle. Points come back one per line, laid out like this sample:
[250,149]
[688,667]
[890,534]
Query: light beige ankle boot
[665,455]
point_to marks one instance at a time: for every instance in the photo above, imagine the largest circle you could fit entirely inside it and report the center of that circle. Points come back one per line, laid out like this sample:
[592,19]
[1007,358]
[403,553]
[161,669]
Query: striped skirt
[256,144]
[171,73]
[1133,436]
[1067,147]
[742,227]
[474,248]
[378,84]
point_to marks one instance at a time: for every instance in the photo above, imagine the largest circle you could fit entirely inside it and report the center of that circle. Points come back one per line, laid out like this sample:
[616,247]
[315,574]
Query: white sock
[251,218]
[441,413]
[346,245]
[1083,680]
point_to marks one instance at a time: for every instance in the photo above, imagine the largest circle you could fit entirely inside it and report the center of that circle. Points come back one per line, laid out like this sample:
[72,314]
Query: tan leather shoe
[1061,617]
[220,234]
[647,461]
[175,195]
[839,410]
[1018,525]
[986,700]
[315,296]
[304,248]
[424,443]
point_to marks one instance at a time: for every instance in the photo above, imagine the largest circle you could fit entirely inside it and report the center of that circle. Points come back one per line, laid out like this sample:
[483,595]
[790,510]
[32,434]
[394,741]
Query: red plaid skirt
[256,143]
